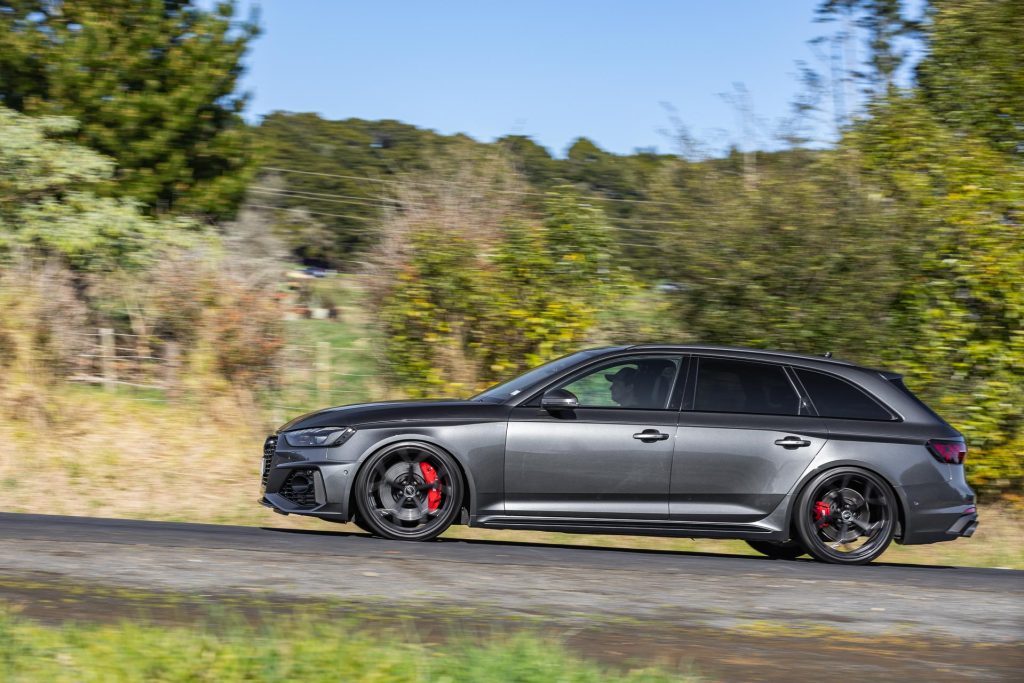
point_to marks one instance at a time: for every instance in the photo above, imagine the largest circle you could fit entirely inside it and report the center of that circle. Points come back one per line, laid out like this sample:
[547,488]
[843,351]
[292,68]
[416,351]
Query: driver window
[638,383]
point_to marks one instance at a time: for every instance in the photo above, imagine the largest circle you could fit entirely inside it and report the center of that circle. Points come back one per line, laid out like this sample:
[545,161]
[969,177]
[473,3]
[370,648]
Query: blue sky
[552,70]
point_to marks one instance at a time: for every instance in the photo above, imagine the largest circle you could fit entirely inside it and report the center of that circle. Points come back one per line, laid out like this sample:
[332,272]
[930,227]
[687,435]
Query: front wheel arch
[468,492]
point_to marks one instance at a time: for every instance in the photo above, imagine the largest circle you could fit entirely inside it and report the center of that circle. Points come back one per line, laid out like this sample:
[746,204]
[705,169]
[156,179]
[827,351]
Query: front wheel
[356,519]
[846,516]
[408,492]
[788,550]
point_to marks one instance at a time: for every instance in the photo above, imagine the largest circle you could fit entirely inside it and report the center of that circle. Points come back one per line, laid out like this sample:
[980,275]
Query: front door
[610,458]
[745,437]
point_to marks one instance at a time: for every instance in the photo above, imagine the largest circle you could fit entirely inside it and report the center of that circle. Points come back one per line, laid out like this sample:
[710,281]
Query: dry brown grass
[114,455]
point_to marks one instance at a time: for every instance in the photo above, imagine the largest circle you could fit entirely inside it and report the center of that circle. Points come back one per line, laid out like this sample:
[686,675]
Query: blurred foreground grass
[287,651]
[113,455]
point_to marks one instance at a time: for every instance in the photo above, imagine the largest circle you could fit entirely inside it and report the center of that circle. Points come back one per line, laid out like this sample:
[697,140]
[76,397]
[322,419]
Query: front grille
[269,446]
[300,489]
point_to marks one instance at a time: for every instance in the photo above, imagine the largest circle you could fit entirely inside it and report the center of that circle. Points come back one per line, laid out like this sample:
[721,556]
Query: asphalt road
[971,619]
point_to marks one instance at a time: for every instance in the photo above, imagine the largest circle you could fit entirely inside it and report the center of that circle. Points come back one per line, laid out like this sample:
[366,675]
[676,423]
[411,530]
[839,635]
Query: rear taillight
[952,452]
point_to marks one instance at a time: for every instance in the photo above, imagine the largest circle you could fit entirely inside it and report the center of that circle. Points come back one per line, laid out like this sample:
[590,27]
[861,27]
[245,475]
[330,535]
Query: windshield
[500,393]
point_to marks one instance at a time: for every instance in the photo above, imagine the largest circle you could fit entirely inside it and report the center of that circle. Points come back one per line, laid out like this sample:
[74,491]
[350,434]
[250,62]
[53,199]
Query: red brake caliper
[822,510]
[433,495]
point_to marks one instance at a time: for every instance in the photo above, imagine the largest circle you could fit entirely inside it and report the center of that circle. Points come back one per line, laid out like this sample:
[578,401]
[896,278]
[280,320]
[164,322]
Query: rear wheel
[788,550]
[846,516]
[409,492]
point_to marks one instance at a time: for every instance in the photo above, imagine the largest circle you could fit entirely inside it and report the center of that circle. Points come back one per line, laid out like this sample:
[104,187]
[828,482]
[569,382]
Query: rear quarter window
[898,383]
[834,397]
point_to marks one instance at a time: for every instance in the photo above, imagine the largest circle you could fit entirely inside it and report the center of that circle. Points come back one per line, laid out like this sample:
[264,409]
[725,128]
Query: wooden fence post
[323,371]
[107,358]
[172,355]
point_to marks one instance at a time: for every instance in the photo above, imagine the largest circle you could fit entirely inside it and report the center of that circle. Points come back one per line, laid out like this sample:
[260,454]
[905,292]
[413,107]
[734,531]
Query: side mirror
[559,399]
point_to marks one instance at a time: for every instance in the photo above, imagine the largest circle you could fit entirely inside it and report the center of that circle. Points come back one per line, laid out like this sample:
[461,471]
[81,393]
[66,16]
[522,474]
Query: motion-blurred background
[179,273]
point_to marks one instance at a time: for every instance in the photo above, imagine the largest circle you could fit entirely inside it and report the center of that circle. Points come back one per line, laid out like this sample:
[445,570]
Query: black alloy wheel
[408,492]
[846,516]
[785,550]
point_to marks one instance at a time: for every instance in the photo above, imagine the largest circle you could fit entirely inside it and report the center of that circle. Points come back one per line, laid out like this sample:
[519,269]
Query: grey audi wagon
[792,453]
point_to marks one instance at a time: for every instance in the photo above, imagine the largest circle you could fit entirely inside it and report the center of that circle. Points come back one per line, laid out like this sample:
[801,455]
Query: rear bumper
[958,524]
[937,512]
[964,527]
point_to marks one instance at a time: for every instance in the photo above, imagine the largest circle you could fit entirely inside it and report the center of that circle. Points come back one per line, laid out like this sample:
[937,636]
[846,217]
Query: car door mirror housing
[559,399]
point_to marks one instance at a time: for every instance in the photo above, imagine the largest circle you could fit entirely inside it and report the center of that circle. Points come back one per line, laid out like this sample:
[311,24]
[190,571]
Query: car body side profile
[794,454]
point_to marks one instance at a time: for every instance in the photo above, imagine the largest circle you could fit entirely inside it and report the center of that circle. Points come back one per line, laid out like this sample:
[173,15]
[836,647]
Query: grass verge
[288,651]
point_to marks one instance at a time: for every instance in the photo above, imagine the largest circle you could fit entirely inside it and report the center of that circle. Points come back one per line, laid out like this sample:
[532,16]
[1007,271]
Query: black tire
[787,550]
[392,494]
[846,515]
[356,519]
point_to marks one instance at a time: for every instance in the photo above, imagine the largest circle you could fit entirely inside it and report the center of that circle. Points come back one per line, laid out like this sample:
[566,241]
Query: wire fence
[303,377]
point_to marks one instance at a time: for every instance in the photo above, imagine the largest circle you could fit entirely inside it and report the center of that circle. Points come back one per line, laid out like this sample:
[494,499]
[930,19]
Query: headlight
[320,437]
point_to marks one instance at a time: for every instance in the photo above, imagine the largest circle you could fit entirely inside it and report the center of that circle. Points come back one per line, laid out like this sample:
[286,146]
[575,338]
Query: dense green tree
[531,160]
[794,261]
[459,317]
[962,315]
[49,205]
[341,173]
[972,76]
[886,25]
[152,84]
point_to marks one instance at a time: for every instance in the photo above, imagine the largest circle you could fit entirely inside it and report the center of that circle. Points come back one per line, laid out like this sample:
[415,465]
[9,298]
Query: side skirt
[632,527]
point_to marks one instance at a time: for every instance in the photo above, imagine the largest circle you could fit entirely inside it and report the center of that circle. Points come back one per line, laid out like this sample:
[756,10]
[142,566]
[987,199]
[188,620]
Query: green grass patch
[289,651]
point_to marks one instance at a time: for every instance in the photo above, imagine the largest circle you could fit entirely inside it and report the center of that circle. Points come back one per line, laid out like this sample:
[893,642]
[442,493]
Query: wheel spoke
[841,538]
[869,488]
[866,528]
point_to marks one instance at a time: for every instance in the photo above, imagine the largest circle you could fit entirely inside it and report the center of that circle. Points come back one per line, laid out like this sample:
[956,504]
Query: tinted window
[898,382]
[732,386]
[640,383]
[834,397]
[514,387]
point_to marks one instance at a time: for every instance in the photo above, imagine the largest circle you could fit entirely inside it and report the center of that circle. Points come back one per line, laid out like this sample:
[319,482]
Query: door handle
[792,442]
[650,435]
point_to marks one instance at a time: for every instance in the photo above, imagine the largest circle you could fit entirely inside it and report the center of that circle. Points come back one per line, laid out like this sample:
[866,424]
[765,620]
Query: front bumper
[304,482]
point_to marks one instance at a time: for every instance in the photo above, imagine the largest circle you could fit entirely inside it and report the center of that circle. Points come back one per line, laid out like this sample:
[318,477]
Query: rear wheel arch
[896,491]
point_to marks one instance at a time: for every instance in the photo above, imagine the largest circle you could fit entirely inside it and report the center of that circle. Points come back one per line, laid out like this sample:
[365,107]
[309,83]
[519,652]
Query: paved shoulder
[349,544]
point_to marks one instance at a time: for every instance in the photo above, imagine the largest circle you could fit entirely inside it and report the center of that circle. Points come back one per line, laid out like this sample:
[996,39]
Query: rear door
[745,436]
[611,457]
